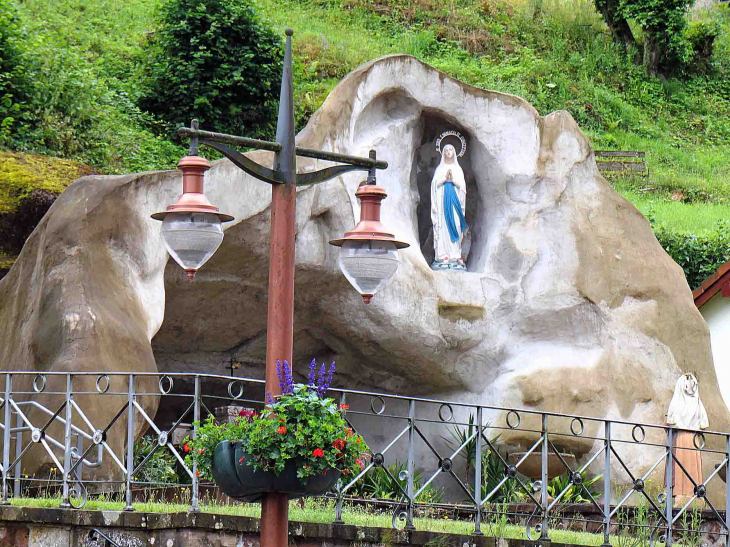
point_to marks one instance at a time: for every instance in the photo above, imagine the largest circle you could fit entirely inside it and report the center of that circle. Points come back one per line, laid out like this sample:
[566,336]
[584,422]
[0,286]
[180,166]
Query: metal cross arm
[219,141]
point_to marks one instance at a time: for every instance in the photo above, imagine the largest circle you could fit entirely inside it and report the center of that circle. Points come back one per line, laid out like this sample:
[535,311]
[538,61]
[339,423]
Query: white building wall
[717,314]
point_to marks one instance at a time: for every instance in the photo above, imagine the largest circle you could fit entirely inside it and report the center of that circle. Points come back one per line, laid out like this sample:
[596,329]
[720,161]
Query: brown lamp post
[192,232]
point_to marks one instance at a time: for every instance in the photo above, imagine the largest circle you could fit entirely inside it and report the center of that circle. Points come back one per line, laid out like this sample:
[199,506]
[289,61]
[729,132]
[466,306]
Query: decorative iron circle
[399,519]
[662,497]
[403,475]
[79,492]
[239,393]
[162,440]
[510,423]
[382,404]
[640,429]
[161,384]
[99,436]
[378,459]
[576,478]
[701,437]
[446,464]
[538,530]
[441,413]
[36,435]
[581,427]
[700,490]
[99,379]
[452,134]
[537,486]
[511,471]
[39,383]
[638,485]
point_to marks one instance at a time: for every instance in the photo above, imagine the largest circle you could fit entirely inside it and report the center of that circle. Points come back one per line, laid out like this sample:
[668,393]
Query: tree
[663,23]
[214,60]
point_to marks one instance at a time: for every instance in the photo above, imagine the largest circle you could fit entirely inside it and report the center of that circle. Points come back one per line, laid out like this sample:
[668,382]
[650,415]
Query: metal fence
[84,426]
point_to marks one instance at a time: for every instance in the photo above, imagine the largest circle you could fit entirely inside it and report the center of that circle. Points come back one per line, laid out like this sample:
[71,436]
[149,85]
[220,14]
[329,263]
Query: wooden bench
[619,161]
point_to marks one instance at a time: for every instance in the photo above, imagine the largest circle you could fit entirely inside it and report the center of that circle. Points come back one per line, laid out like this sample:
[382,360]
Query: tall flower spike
[288,386]
[328,378]
[312,373]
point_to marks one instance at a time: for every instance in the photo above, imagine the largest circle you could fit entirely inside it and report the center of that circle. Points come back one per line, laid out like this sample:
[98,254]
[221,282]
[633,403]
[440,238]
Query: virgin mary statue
[448,201]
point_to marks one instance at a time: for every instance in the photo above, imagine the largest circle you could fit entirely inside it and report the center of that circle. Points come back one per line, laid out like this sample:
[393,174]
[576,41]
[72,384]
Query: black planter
[241,481]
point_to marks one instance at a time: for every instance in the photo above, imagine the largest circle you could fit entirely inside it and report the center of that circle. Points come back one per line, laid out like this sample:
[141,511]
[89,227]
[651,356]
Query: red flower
[241,460]
[349,432]
[281,430]
[318,453]
[343,406]
[339,444]
[197,473]
[186,448]
[361,464]
[358,440]
[247,413]
[201,450]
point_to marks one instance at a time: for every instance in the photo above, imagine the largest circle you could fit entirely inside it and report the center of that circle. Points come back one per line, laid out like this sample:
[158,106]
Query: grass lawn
[322,511]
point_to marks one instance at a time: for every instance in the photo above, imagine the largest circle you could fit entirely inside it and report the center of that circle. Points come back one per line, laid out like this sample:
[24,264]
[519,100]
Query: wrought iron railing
[55,414]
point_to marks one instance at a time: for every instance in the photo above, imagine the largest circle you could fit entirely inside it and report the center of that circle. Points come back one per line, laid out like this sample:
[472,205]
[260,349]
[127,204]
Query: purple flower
[284,374]
[312,373]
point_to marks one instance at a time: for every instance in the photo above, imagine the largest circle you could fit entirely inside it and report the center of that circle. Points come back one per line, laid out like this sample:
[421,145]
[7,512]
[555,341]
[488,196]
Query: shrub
[214,60]
[699,256]
[14,83]
[161,468]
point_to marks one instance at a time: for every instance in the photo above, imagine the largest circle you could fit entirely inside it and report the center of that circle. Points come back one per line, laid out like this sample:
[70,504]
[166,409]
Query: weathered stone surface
[569,303]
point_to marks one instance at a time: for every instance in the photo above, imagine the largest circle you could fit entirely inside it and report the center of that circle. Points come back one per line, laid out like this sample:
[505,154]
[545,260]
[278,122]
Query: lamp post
[191,232]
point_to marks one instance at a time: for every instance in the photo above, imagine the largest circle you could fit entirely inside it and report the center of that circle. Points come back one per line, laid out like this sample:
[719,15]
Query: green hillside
[86,56]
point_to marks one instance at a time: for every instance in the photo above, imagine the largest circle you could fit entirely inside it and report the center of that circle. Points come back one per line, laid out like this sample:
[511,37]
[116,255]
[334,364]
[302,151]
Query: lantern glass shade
[368,264]
[191,238]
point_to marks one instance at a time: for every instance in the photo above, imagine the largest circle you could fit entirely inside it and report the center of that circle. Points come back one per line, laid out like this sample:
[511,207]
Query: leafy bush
[15,85]
[574,493]
[377,484]
[699,256]
[160,468]
[214,60]
[301,424]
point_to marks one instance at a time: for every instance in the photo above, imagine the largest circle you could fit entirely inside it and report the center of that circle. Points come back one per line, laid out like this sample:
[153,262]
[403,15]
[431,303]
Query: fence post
[340,493]
[195,502]
[65,503]
[669,475]
[478,476]
[607,486]
[6,437]
[18,452]
[411,463]
[727,491]
[130,444]
[544,536]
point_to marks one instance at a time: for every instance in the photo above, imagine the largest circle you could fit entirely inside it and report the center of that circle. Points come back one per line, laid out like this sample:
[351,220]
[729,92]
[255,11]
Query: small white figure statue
[686,412]
[448,206]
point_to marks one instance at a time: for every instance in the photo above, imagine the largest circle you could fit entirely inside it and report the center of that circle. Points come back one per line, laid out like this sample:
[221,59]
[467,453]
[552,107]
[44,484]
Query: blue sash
[451,204]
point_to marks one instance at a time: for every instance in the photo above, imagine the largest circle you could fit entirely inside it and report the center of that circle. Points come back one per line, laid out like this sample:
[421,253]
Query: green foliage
[160,468]
[574,493]
[377,484]
[698,255]
[15,84]
[214,60]
[300,426]
[664,23]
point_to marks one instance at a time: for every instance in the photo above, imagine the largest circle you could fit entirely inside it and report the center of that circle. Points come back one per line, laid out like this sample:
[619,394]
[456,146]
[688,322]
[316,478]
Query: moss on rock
[21,173]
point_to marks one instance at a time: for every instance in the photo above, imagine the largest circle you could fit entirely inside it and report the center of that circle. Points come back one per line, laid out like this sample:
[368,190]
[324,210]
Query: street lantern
[369,254]
[191,231]
[191,227]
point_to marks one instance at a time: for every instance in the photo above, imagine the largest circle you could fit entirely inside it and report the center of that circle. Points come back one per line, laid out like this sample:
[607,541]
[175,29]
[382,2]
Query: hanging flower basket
[243,482]
[299,444]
